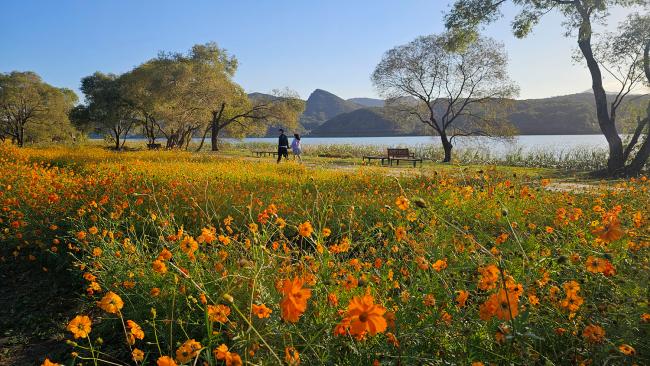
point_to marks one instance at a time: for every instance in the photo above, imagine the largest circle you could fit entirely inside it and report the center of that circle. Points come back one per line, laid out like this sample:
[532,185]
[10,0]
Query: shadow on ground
[35,305]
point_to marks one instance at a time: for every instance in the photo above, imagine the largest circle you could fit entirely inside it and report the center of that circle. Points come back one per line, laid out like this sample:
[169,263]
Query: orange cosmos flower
[593,333]
[230,358]
[507,305]
[612,231]
[165,254]
[165,361]
[402,203]
[571,287]
[47,362]
[645,318]
[400,233]
[137,355]
[305,229]
[489,277]
[187,351]
[595,265]
[365,316]
[218,313]
[80,326]
[189,246]
[439,265]
[461,299]
[291,356]
[572,302]
[261,311]
[159,266]
[208,235]
[135,329]
[294,302]
[488,308]
[626,349]
[111,303]
[220,352]
[332,299]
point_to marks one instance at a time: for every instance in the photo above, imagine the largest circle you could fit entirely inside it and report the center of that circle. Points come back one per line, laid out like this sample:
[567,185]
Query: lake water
[527,143]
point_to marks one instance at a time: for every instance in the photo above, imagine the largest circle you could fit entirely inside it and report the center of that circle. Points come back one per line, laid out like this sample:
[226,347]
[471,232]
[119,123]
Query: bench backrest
[398,153]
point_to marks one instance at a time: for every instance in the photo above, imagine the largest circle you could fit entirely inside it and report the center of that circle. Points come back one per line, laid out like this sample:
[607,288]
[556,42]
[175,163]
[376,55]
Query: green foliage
[107,112]
[34,111]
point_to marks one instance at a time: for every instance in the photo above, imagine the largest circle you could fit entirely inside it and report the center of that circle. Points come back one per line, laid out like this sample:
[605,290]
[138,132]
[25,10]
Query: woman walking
[295,146]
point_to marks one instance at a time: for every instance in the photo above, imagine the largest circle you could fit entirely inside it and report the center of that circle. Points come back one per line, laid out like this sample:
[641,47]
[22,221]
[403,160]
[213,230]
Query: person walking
[283,146]
[296,148]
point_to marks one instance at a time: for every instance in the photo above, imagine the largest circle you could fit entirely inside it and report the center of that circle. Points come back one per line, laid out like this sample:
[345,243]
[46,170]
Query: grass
[447,264]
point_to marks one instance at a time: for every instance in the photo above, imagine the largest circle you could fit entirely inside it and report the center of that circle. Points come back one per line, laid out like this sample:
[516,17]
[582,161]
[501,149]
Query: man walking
[283,146]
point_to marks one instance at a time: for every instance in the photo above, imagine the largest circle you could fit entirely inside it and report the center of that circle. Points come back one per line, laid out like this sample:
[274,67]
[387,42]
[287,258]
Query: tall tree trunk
[205,134]
[214,139]
[215,127]
[607,125]
[117,142]
[447,146]
[21,135]
[635,137]
[640,159]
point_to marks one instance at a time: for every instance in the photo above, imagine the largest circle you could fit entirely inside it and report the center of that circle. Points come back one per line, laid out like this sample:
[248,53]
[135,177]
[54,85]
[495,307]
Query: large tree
[455,92]
[466,16]
[626,56]
[31,109]
[107,110]
[180,95]
[240,116]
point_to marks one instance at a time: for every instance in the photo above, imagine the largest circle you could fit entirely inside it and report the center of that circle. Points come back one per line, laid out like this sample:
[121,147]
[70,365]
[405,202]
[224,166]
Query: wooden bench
[265,153]
[369,158]
[402,155]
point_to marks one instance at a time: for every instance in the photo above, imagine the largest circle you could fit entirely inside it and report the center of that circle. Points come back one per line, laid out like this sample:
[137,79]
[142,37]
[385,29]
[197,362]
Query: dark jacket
[283,141]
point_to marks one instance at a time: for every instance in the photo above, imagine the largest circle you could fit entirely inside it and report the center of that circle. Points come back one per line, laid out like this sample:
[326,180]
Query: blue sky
[300,44]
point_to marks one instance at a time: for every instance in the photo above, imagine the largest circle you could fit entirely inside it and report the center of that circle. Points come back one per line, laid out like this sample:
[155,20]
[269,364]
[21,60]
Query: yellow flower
[305,229]
[188,351]
[400,233]
[626,349]
[137,355]
[47,362]
[159,266]
[111,303]
[135,329]
[261,311]
[165,361]
[218,313]
[402,203]
[80,326]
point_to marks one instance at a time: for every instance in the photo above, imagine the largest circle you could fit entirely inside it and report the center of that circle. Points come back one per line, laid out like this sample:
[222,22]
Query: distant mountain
[328,115]
[563,115]
[261,96]
[360,122]
[322,106]
[367,102]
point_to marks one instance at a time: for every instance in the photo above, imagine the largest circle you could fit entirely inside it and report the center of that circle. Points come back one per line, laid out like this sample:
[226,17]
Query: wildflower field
[198,259]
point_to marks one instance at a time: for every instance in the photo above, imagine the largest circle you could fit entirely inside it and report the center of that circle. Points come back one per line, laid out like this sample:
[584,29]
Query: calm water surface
[526,143]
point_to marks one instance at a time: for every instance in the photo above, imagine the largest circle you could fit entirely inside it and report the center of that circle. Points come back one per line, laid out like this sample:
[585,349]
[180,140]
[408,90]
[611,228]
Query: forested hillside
[328,115]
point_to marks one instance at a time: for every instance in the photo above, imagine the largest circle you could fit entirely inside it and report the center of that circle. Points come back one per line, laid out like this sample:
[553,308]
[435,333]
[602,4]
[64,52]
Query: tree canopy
[457,92]
[32,110]
[467,16]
